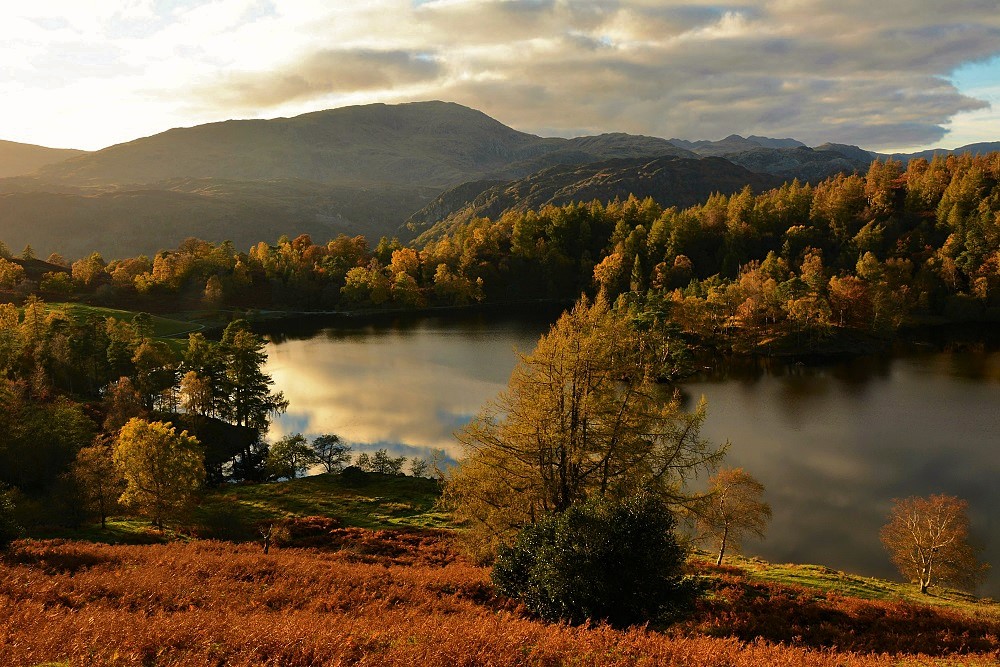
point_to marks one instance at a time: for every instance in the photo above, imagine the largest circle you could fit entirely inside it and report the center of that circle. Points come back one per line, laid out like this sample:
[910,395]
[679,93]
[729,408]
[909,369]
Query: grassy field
[374,501]
[163,327]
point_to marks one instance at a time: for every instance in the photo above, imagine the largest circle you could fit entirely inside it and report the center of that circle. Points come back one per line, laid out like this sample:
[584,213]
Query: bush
[354,476]
[601,561]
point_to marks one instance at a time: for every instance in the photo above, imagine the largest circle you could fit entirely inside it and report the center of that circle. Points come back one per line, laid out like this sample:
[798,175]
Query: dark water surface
[833,443]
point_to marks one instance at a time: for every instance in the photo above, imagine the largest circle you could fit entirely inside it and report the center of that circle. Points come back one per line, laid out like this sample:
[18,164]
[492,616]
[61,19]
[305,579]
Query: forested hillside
[853,253]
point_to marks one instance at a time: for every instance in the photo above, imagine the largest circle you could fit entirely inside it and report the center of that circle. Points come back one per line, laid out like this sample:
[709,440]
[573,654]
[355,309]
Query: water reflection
[833,443]
[403,384]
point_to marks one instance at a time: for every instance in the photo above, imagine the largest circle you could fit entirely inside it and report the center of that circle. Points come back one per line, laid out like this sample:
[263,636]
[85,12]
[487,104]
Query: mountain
[361,169]
[18,159]
[734,143]
[129,221]
[803,163]
[435,144]
[981,148]
[426,143]
[364,170]
[671,181]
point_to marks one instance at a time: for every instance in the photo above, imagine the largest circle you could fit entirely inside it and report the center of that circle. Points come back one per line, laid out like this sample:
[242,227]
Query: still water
[833,443]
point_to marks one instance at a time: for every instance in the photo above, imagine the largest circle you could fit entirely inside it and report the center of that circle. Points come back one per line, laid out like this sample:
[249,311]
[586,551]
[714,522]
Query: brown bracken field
[386,597]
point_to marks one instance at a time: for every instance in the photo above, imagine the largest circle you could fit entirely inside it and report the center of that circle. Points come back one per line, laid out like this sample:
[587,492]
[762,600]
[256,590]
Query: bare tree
[733,509]
[928,540]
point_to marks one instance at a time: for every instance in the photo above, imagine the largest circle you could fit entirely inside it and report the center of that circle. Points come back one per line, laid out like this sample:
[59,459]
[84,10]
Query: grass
[827,580]
[163,327]
[119,530]
[374,501]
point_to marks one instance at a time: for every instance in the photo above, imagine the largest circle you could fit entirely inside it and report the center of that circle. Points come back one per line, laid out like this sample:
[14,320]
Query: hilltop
[17,159]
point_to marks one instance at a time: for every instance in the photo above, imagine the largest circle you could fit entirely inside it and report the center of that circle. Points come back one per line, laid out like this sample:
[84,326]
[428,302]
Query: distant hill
[734,143]
[127,222]
[362,170]
[981,148]
[805,164]
[435,144]
[671,181]
[426,143]
[18,159]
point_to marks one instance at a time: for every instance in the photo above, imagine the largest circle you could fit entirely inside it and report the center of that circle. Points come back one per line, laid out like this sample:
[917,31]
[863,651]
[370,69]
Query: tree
[250,402]
[383,463]
[162,468]
[928,540]
[583,416]
[10,530]
[331,452]
[603,560]
[98,479]
[10,274]
[734,508]
[290,457]
[419,467]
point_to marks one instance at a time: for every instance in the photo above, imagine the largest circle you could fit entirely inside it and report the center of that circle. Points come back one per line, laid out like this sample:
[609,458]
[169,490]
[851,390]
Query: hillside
[670,181]
[127,222]
[425,143]
[17,159]
[364,170]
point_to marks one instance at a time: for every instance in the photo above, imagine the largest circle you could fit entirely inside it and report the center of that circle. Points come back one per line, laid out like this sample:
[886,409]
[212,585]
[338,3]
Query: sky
[883,74]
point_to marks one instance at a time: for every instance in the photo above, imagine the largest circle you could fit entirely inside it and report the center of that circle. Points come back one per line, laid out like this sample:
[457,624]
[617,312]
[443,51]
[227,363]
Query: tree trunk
[722,546]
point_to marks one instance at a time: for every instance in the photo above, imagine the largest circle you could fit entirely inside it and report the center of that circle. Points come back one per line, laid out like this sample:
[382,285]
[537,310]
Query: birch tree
[928,540]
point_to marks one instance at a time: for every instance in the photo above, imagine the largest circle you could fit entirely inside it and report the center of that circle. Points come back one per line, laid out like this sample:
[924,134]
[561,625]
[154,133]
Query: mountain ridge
[361,169]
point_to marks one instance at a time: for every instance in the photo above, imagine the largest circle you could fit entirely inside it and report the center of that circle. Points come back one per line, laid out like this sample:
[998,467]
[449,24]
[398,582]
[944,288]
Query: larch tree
[733,508]
[928,540]
[582,417]
[162,468]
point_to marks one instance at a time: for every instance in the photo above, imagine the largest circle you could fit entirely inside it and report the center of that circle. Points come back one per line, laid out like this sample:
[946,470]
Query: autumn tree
[733,508]
[99,481]
[162,468]
[928,540]
[331,452]
[582,417]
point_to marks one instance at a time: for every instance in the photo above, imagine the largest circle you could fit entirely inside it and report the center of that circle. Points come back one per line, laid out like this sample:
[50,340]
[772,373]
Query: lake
[833,443]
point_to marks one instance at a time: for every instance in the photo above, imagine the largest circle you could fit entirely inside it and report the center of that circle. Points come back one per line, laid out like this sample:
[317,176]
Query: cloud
[854,71]
[323,73]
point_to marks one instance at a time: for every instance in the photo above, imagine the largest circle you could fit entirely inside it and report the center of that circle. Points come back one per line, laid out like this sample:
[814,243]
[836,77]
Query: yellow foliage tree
[583,416]
[733,508]
[162,468]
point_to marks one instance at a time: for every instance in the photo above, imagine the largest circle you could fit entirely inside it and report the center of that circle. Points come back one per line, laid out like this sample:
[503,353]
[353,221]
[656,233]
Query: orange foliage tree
[928,540]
